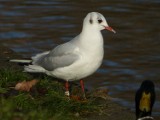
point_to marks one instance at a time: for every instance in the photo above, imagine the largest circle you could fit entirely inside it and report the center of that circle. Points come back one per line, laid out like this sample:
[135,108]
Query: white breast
[85,66]
[90,51]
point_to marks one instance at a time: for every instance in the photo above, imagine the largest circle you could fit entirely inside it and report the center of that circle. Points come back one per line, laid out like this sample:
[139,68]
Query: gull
[75,59]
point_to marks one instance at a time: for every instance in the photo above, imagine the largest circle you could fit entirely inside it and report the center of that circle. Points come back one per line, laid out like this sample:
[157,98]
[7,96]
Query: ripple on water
[53,18]
[12,13]
[111,63]
[42,2]
[14,34]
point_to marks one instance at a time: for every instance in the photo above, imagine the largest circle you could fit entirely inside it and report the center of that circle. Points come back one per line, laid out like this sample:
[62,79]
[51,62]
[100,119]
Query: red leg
[82,87]
[67,89]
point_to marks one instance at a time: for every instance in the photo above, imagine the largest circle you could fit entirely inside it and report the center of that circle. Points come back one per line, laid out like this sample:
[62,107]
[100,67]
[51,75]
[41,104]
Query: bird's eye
[100,21]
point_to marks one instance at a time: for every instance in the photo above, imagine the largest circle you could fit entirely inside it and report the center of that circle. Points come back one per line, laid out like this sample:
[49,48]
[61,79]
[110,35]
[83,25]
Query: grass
[46,101]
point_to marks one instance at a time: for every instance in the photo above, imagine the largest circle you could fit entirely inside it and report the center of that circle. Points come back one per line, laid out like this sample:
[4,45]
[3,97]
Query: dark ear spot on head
[91,21]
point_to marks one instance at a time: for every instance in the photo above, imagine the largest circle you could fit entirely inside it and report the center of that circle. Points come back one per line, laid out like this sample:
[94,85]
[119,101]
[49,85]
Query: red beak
[110,29]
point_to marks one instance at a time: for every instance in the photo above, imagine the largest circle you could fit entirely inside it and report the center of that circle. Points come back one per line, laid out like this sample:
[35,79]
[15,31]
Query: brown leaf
[78,98]
[25,85]
[101,93]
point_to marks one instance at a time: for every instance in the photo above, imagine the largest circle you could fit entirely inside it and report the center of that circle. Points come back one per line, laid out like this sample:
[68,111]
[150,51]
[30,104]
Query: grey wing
[64,49]
[50,62]
[61,56]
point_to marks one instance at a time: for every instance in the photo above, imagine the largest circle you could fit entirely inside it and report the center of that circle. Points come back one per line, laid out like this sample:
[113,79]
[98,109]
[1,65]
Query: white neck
[91,40]
[91,36]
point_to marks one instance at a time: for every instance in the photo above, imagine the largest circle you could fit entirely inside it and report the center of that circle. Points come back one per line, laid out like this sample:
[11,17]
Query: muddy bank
[110,110]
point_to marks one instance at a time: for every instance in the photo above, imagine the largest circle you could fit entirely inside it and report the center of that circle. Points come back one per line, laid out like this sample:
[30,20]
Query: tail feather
[34,69]
[20,61]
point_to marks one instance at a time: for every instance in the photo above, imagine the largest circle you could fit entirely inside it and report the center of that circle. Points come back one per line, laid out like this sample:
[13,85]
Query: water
[132,55]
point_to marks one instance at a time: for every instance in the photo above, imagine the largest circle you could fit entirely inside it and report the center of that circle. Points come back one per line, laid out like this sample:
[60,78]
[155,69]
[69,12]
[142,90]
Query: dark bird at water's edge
[144,100]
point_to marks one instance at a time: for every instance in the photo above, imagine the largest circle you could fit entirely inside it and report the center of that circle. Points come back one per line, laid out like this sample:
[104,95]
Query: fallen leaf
[101,93]
[5,52]
[78,98]
[25,85]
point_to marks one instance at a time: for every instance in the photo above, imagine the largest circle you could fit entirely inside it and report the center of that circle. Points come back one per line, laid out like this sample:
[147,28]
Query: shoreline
[110,110]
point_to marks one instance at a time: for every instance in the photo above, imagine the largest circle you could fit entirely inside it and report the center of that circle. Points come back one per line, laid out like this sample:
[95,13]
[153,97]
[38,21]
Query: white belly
[81,69]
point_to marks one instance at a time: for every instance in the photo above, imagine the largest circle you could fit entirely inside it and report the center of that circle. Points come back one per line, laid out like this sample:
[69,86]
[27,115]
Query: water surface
[131,56]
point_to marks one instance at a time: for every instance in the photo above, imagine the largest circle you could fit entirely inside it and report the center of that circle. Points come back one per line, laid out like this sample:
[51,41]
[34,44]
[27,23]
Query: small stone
[77,114]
